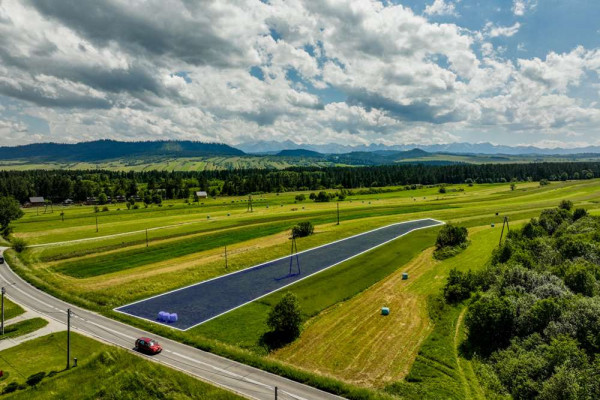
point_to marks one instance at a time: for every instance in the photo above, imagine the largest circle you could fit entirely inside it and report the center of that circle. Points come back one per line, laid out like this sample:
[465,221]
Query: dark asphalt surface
[206,300]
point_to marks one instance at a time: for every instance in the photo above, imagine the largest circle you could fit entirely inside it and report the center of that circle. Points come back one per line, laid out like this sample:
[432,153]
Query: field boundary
[437,223]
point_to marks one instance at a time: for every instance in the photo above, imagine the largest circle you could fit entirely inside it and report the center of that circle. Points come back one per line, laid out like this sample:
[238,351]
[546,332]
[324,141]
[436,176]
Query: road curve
[244,380]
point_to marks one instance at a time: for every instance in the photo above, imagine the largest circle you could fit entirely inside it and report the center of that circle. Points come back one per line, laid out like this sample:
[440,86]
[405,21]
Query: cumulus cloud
[360,71]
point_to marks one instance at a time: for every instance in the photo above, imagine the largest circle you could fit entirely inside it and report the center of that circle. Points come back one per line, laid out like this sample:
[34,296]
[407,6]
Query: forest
[534,312]
[78,185]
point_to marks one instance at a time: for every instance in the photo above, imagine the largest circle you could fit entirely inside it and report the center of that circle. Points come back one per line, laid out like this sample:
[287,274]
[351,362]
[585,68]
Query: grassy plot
[11,309]
[353,342]
[23,328]
[103,372]
[245,326]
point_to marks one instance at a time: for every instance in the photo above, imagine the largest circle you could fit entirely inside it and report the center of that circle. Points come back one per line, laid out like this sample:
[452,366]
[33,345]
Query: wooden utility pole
[338,213]
[226,266]
[146,237]
[68,338]
[249,209]
[96,224]
[3,291]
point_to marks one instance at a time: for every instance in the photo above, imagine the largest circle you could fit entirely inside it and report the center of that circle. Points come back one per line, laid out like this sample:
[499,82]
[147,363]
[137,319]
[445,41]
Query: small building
[37,201]
[201,194]
[67,202]
[91,201]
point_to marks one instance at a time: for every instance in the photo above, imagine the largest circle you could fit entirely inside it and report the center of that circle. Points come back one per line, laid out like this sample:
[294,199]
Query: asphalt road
[203,301]
[247,381]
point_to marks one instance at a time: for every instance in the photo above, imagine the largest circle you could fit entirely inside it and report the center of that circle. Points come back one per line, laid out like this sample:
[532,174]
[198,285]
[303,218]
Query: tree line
[78,185]
[534,317]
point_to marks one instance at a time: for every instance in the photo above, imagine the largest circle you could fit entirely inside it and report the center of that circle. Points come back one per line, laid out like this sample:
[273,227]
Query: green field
[23,328]
[102,372]
[186,245]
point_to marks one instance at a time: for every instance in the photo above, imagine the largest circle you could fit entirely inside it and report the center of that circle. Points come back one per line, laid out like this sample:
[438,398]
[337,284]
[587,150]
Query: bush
[544,182]
[490,322]
[458,286]
[442,189]
[19,245]
[285,320]
[579,213]
[303,229]
[322,197]
[566,205]
[451,235]
[34,379]
[136,206]
[104,209]
[300,197]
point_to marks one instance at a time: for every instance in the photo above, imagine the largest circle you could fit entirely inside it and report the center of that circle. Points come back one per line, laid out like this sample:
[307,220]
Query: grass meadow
[102,372]
[346,346]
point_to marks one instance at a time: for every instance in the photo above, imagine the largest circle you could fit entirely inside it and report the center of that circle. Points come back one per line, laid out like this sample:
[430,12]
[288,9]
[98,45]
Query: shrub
[285,320]
[458,286]
[34,379]
[579,213]
[19,245]
[136,206]
[303,229]
[104,209]
[322,197]
[490,322]
[566,205]
[442,189]
[451,235]
[544,182]
[300,197]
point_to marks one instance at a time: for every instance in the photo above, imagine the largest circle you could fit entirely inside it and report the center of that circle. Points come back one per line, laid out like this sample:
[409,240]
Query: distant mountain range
[196,155]
[273,147]
[112,149]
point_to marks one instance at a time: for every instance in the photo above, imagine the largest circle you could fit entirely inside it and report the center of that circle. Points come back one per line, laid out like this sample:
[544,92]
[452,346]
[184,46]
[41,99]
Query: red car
[147,345]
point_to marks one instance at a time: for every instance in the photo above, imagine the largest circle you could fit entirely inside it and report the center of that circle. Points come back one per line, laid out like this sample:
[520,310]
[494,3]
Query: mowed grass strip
[11,309]
[23,328]
[135,257]
[132,258]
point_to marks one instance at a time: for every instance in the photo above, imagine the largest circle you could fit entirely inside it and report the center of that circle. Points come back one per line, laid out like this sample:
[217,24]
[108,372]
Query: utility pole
[275,392]
[3,291]
[226,257]
[146,237]
[338,213]
[96,224]
[249,209]
[69,338]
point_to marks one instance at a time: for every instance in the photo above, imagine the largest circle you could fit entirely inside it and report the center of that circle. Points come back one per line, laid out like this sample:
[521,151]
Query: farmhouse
[201,195]
[36,201]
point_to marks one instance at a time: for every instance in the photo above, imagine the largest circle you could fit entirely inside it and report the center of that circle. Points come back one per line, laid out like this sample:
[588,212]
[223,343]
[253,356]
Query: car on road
[1,260]
[147,345]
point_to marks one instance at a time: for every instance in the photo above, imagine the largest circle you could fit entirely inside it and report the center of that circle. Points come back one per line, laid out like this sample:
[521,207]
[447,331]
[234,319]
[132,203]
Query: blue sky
[341,71]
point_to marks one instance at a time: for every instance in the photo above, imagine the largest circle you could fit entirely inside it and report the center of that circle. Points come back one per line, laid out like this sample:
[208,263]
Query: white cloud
[492,30]
[441,7]
[395,76]
[520,7]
